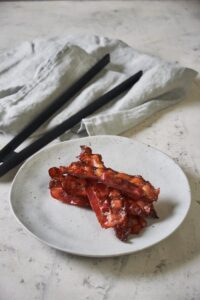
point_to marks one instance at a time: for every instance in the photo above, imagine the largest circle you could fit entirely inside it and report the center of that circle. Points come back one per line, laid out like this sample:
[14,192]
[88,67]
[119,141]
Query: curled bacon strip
[125,180]
[69,190]
[119,200]
[91,159]
[91,166]
[107,204]
[130,226]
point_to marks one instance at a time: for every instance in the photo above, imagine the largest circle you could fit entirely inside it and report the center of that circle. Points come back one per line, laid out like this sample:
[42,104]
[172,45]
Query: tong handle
[68,124]
[53,107]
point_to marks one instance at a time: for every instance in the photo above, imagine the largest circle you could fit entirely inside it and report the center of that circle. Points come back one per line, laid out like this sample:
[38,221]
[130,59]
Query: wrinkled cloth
[33,74]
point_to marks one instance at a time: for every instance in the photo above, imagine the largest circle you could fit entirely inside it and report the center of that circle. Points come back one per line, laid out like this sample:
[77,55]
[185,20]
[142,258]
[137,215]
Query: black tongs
[10,159]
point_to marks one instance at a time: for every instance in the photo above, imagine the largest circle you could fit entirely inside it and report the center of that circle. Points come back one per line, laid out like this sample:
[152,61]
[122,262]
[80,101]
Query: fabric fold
[35,73]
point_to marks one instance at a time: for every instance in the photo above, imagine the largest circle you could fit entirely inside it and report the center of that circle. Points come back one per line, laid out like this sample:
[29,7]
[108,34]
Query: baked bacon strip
[77,187]
[91,159]
[119,200]
[95,161]
[107,204]
[91,166]
[69,190]
[72,185]
[137,207]
[131,225]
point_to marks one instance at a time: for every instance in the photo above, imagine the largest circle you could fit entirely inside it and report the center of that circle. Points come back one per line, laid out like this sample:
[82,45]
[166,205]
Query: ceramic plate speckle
[76,230]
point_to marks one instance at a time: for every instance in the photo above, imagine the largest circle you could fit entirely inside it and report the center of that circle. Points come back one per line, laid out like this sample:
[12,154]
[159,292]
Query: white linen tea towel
[35,73]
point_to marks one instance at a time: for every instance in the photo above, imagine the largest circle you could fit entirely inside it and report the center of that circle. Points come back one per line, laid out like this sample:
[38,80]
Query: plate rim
[77,253]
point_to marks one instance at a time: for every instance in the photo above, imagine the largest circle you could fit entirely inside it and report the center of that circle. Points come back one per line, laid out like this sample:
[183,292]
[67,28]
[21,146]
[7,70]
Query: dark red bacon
[91,166]
[131,225]
[119,200]
[107,204]
[59,193]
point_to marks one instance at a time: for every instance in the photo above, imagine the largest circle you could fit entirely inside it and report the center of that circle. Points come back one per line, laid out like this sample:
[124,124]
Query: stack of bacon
[119,200]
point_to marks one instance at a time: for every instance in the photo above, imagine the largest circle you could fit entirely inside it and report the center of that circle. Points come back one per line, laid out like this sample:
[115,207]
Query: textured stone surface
[31,270]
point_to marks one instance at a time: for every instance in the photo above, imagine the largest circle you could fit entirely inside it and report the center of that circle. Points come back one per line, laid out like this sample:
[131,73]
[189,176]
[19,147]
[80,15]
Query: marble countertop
[171,269]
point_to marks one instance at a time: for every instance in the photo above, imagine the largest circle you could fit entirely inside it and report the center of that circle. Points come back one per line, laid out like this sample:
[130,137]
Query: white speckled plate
[76,230]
